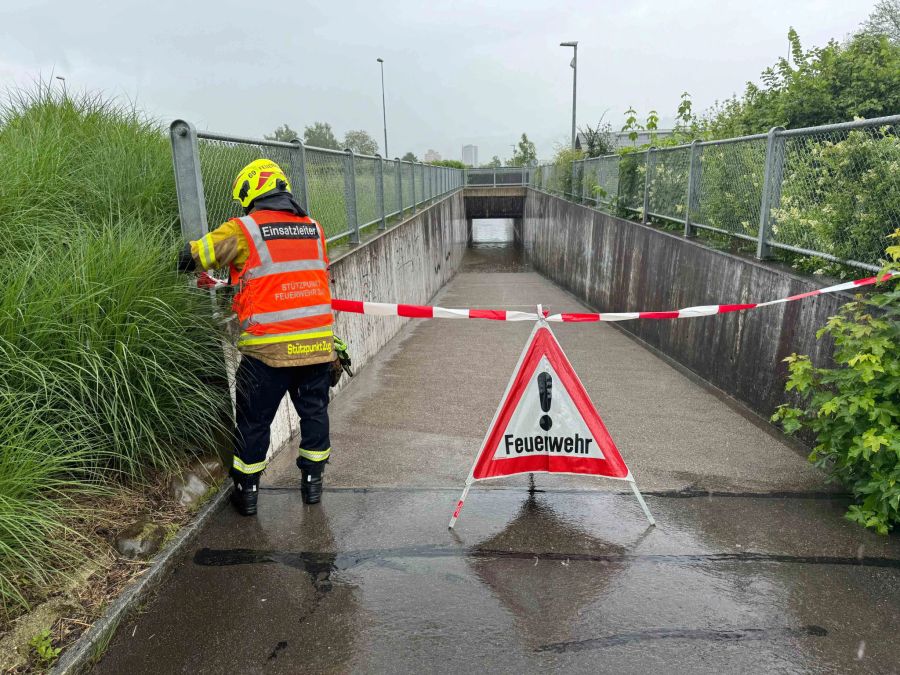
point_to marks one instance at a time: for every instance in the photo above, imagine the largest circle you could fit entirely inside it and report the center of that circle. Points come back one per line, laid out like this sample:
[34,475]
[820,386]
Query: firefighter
[277,258]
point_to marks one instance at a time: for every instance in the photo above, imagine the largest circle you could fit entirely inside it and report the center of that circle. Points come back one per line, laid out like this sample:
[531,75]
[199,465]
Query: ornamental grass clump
[110,365]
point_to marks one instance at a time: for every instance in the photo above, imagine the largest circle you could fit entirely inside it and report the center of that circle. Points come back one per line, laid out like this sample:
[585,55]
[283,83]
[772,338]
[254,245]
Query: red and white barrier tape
[427,312]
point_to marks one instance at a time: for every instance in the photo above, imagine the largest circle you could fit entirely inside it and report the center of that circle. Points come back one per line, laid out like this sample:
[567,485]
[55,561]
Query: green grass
[110,365]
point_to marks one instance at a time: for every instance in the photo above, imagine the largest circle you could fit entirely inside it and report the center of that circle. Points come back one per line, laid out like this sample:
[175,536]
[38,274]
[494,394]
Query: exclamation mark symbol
[545,392]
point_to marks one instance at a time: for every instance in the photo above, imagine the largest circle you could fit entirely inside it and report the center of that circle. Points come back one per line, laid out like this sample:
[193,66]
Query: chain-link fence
[832,192]
[343,191]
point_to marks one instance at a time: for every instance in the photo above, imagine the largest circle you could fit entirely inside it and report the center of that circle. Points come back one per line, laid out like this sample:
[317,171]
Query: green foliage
[452,163]
[525,153]
[731,186]
[632,126]
[283,133]
[42,644]
[563,160]
[320,135]
[684,119]
[360,142]
[854,408]
[495,163]
[884,20]
[630,197]
[823,85]
[598,140]
[842,197]
[110,364]
[652,125]
[409,157]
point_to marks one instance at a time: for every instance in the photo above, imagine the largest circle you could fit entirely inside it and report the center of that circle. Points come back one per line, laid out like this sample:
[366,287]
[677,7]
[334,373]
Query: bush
[110,365]
[841,197]
[563,180]
[629,202]
[451,163]
[853,409]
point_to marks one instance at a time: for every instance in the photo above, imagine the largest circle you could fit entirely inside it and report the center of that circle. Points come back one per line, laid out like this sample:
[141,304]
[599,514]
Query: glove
[341,361]
[206,281]
[336,371]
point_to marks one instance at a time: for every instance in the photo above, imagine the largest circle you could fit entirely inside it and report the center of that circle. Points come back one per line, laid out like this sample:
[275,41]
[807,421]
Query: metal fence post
[583,185]
[399,186]
[648,170]
[573,195]
[350,195]
[495,176]
[379,190]
[412,172]
[298,174]
[693,188]
[770,190]
[188,180]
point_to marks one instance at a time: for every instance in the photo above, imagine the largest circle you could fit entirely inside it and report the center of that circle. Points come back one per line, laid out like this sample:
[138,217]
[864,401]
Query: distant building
[432,156]
[621,139]
[470,155]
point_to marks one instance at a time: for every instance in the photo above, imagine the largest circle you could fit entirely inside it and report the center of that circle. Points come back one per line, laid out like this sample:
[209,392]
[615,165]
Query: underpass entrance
[495,245]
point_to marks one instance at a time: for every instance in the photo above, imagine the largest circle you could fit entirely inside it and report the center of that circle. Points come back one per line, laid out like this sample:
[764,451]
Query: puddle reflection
[546,595]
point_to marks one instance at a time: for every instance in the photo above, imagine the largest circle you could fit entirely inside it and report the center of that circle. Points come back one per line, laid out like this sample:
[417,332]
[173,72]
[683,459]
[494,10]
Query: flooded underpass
[751,568]
[493,247]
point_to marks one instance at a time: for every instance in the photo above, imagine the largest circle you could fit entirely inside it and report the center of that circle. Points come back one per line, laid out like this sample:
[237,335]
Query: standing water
[492,231]
[493,247]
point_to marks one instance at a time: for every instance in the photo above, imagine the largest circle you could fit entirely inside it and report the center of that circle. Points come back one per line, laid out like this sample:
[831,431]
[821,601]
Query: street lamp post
[574,66]
[383,109]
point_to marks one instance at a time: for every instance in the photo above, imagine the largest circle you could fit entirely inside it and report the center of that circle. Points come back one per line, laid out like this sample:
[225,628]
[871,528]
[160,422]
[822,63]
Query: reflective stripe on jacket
[283,298]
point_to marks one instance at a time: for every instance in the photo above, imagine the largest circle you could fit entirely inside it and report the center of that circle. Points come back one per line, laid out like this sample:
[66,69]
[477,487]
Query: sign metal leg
[459,506]
[640,498]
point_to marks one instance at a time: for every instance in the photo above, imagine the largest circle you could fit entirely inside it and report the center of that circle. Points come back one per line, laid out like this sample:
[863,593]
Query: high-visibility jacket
[283,300]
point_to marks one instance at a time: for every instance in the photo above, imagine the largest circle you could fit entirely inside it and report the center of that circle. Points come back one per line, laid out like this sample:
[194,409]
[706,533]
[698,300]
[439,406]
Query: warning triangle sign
[546,421]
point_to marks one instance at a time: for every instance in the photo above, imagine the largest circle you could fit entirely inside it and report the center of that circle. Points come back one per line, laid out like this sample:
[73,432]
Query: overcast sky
[455,72]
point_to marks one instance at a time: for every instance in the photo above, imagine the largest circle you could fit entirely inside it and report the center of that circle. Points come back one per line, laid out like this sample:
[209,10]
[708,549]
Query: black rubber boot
[245,494]
[311,487]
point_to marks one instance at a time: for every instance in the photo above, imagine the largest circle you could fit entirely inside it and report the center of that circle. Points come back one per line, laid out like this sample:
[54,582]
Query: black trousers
[260,389]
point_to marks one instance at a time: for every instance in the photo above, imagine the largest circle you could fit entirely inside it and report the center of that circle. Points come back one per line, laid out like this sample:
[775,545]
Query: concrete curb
[80,656]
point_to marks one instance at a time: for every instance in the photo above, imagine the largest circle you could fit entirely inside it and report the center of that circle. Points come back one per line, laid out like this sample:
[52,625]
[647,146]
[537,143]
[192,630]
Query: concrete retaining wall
[616,265]
[407,263]
[495,202]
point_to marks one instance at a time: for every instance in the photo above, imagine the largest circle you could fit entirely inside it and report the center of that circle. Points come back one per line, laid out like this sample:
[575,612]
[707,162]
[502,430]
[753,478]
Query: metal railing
[831,191]
[344,191]
[500,176]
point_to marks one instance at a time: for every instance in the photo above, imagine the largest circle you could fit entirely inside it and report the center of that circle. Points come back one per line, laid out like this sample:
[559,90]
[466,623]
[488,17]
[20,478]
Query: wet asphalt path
[752,567]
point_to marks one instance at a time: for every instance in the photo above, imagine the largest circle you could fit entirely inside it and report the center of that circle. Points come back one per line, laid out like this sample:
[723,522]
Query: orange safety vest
[283,294]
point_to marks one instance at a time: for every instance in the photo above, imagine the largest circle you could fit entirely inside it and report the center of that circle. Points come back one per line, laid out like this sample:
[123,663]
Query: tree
[493,164]
[409,157]
[525,153]
[360,142]
[284,134]
[884,20]
[320,135]
[599,140]
[835,83]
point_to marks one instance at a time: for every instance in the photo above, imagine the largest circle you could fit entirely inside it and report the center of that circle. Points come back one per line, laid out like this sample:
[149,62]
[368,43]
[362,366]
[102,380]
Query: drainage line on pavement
[343,560]
[714,635]
[677,494]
